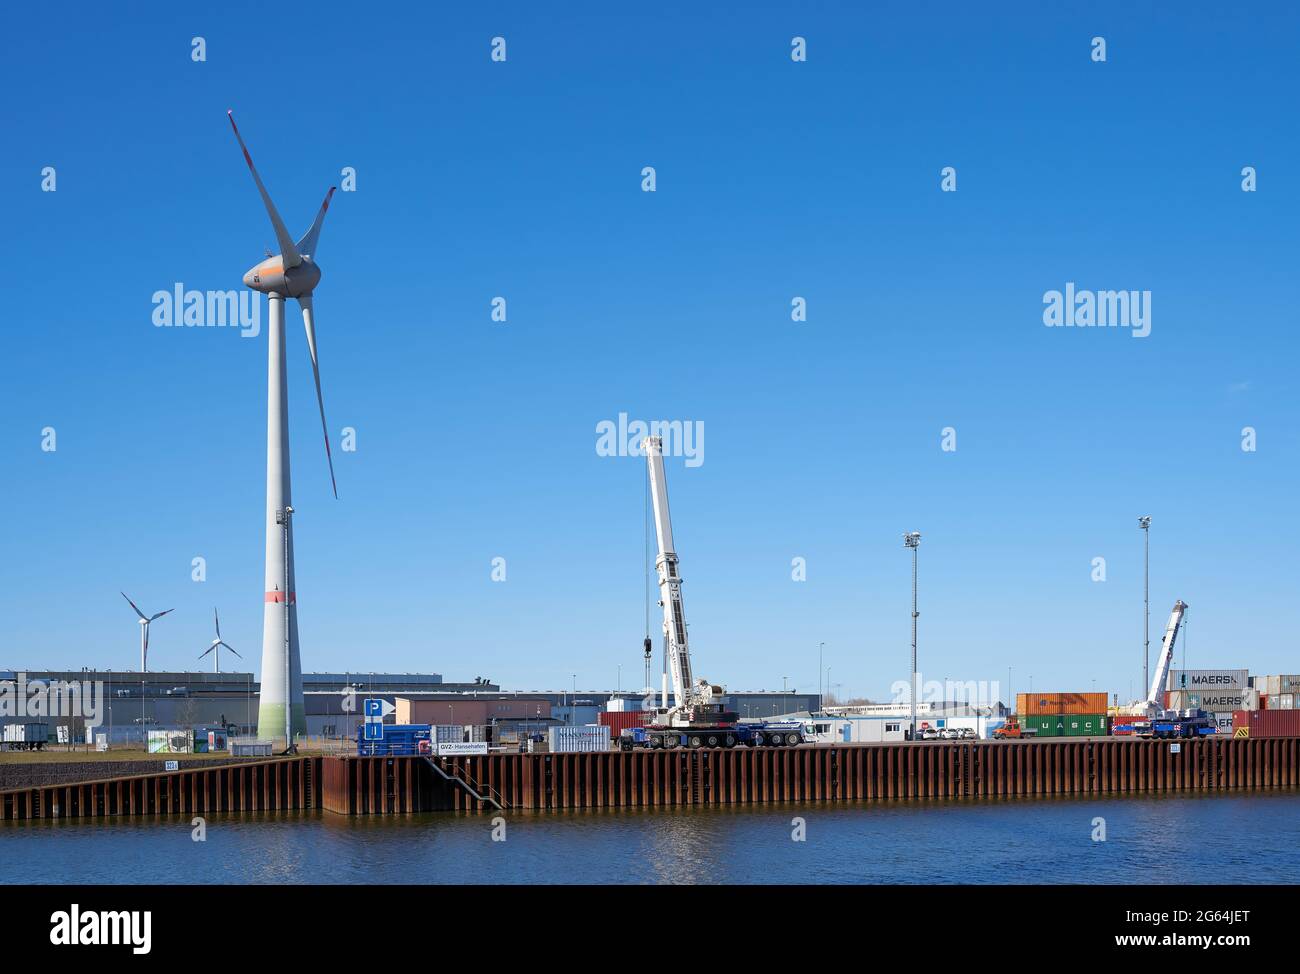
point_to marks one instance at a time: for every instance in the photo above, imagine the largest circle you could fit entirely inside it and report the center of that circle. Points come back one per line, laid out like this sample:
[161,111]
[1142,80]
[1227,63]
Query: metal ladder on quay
[462,784]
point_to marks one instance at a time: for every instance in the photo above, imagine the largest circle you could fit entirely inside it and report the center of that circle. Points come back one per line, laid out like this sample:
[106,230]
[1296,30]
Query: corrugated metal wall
[958,770]
[948,769]
[278,785]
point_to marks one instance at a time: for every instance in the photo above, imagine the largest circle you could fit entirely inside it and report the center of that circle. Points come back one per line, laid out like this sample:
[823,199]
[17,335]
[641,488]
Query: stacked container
[1219,693]
[619,721]
[1266,723]
[1067,725]
[1048,704]
[1063,714]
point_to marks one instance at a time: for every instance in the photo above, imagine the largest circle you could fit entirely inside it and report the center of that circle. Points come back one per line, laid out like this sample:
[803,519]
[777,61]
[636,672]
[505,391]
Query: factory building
[133,702]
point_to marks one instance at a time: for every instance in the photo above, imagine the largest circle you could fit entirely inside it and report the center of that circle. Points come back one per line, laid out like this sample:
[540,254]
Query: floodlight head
[912,539]
[1144,522]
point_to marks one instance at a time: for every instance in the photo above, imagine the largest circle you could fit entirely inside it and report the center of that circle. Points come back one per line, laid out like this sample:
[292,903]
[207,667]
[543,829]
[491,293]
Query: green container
[1083,725]
[1043,726]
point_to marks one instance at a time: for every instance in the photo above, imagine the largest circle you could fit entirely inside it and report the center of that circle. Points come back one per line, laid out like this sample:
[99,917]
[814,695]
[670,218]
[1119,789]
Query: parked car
[967,734]
[950,734]
[928,734]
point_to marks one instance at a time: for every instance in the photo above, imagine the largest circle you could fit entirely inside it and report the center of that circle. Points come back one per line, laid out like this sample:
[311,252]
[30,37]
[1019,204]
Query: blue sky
[522,179]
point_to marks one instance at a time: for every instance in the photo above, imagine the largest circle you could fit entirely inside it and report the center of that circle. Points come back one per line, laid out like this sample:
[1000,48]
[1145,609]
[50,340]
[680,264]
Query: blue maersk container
[397,740]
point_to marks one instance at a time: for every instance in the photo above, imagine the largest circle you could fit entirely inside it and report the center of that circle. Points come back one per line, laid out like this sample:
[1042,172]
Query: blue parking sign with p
[373,708]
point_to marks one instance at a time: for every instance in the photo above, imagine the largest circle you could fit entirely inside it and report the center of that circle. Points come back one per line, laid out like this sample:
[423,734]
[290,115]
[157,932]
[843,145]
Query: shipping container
[579,737]
[1208,681]
[1283,701]
[619,721]
[1083,725]
[1266,723]
[27,734]
[247,747]
[1054,704]
[1215,701]
[1044,725]
[453,733]
[175,741]
[1283,683]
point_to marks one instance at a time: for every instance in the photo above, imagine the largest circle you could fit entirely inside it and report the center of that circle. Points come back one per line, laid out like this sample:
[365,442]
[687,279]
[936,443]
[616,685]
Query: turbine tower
[292,273]
[217,643]
[144,631]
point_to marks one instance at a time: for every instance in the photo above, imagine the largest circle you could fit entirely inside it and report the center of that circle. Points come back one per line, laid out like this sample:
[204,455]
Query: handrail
[463,783]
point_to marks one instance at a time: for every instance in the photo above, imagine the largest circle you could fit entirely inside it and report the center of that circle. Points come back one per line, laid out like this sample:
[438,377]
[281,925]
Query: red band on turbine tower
[278,596]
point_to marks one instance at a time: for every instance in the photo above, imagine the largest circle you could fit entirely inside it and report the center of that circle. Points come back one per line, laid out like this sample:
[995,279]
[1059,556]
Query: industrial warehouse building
[134,702]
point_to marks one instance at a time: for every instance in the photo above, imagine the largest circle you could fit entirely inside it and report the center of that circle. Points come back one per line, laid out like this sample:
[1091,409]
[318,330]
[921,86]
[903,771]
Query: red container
[1263,701]
[1266,723]
[619,721]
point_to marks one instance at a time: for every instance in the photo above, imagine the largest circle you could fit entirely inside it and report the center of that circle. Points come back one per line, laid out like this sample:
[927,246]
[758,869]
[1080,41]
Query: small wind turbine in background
[144,632]
[217,643]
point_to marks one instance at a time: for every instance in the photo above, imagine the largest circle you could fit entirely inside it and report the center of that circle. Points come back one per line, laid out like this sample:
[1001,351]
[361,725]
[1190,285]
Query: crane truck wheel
[731,741]
[696,741]
[759,739]
[713,740]
[777,740]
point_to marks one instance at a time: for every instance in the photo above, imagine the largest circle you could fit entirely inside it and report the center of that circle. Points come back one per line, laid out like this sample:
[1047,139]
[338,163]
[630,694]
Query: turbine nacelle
[272,277]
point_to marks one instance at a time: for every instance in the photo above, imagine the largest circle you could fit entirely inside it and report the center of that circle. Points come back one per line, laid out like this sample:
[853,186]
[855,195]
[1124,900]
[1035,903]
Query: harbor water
[1214,839]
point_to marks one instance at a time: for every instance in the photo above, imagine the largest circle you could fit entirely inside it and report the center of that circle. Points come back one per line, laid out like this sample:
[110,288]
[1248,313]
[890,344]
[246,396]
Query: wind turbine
[292,273]
[144,631]
[217,644]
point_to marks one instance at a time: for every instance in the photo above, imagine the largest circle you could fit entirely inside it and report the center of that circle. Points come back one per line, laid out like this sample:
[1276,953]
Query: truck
[697,717]
[1182,724]
[1013,731]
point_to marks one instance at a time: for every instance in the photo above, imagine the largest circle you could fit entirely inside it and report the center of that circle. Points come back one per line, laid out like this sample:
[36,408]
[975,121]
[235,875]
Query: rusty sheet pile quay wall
[946,770]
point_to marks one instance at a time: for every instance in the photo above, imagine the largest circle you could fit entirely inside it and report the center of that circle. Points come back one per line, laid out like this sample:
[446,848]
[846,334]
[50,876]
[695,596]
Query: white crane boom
[1154,703]
[670,582]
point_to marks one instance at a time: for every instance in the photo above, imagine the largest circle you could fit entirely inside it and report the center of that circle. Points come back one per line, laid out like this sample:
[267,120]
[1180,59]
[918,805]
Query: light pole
[283,518]
[821,700]
[1144,522]
[912,539]
[784,707]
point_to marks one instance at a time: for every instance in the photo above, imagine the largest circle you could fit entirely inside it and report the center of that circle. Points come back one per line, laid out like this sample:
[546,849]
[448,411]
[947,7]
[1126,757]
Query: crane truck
[697,717]
[1150,717]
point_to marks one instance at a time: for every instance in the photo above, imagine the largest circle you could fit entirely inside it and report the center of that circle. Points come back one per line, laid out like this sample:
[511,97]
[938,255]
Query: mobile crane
[697,716]
[1152,720]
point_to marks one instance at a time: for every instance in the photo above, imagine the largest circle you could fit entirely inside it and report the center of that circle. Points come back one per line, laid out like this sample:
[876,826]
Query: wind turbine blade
[160,614]
[216,621]
[307,244]
[288,250]
[308,321]
[206,651]
[232,649]
[146,643]
[136,607]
